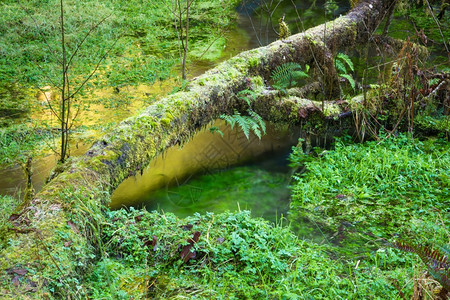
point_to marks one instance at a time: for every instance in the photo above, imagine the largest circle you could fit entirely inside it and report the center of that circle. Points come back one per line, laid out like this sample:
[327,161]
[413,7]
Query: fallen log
[56,234]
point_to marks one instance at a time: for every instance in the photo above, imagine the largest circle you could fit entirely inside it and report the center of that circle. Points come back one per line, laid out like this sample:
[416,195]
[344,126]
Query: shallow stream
[215,173]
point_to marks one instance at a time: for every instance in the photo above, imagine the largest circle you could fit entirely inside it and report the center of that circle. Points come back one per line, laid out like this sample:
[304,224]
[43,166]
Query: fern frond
[243,123]
[446,250]
[340,67]
[350,79]
[255,128]
[300,74]
[258,120]
[441,277]
[247,95]
[215,129]
[282,72]
[229,119]
[281,88]
[252,123]
[438,264]
[347,60]
[431,258]
[284,75]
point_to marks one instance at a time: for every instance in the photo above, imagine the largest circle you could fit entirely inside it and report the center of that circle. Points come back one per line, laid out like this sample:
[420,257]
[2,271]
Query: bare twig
[439,27]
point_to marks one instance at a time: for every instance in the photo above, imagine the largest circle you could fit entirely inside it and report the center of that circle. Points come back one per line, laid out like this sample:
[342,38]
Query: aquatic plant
[396,186]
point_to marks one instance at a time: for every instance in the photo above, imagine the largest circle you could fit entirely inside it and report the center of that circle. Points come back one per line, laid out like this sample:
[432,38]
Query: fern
[344,58]
[229,119]
[285,75]
[350,80]
[259,121]
[340,67]
[252,123]
[247,95]
[341,62]
[215,129]
[438,264]
[243,123]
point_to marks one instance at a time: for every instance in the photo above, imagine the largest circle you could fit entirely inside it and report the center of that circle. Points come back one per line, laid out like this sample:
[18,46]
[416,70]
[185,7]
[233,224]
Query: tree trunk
[48,234]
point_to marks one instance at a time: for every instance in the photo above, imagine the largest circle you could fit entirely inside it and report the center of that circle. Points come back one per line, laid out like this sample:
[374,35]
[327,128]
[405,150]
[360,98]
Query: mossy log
[53,238]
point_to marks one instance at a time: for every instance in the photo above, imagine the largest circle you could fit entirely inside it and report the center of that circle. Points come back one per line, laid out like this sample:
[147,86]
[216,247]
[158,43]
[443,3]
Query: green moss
[254,62]
[257,82]
[331,109]
[165,121]
[59,240]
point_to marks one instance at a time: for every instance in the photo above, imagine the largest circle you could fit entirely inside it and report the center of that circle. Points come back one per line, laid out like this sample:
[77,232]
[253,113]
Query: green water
[261,188]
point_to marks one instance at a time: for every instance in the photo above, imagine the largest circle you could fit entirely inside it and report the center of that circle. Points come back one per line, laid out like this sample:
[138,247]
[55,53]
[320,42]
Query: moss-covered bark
[53,238]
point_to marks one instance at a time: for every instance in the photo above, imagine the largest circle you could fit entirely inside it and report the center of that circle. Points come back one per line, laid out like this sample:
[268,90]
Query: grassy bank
[142,34]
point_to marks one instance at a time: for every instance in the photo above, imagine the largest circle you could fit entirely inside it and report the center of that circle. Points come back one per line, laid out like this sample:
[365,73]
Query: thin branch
[49,104]
[309,44]
[84,39]
[439,27]
[95,69]
[46,76]
[212,43]
[253,26]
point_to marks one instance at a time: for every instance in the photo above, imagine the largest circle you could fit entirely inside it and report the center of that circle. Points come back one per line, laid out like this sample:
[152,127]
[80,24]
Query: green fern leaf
[215,129]
[350,79]
[252,123]
[247,95]
[258,120]
[347,60]
[300,74]
[437,263]
[243,124]
[285,75]
[340,67]
[255,128]
[229,119]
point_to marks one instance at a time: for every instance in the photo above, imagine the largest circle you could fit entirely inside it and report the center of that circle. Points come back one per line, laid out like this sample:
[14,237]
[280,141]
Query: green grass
[8,205]
[142,32]
[393,187]
[17,142]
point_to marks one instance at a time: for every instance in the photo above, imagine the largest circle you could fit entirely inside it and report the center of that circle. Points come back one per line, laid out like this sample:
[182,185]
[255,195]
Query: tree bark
[60,213]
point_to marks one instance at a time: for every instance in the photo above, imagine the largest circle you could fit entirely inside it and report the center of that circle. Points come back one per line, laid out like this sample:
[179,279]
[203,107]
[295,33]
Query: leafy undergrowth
[366,194]
[362,197]
[381,189]
[227,256]
[8,205]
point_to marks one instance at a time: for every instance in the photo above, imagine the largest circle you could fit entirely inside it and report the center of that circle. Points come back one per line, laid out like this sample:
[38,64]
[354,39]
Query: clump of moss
[48,247]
